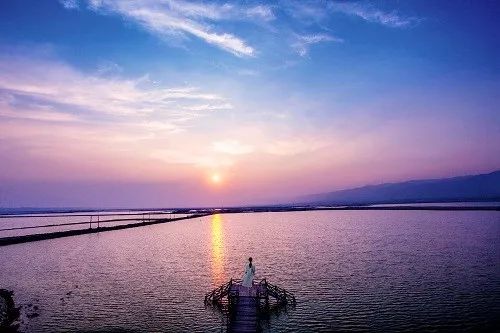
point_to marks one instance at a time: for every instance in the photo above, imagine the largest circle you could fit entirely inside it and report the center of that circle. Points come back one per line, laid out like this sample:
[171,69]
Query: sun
[216,178]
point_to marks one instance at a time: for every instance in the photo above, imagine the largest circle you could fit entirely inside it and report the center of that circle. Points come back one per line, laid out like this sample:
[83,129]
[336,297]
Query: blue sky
[277,98]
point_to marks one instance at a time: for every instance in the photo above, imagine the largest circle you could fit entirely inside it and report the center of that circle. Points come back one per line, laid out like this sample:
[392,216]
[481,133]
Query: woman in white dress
[249,274]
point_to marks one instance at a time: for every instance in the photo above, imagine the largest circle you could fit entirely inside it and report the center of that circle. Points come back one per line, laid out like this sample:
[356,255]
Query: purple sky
[184,103]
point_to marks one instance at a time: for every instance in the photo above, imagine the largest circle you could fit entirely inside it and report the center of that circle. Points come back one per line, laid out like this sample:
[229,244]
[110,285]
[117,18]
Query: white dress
[248,276]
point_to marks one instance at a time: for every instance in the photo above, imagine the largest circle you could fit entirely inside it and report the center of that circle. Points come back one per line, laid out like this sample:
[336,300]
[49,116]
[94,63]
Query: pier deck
[244,306]
[245,316]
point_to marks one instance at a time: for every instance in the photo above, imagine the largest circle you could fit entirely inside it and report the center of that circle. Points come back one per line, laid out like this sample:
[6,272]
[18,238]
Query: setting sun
[216,178]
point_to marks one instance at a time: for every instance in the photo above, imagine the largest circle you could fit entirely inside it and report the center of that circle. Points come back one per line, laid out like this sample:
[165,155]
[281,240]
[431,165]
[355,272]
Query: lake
[349,270]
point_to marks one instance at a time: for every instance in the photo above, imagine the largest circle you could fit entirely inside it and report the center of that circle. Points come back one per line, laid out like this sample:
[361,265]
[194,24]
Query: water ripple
[350,271]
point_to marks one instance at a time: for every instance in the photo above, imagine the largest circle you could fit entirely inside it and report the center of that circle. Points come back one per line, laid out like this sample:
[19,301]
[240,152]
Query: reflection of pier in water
[246,308]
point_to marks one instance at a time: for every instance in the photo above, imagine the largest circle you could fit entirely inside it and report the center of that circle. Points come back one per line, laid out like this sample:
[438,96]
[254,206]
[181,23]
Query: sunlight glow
[216,178]
[217,250]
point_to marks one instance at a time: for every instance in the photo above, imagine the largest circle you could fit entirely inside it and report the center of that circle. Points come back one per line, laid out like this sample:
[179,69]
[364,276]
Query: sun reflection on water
[217,250]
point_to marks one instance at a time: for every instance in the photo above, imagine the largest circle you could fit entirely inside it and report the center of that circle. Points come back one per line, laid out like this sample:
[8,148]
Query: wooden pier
[245,306]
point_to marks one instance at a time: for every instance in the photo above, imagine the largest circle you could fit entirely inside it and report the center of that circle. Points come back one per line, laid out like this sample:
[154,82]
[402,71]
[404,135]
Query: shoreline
[207,212]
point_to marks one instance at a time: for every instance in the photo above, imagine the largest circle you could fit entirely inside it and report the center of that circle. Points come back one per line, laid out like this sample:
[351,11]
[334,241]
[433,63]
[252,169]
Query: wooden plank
[245,317]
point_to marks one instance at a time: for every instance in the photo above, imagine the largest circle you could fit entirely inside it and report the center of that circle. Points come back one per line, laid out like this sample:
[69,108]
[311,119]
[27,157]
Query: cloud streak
[304,42]
[232,147]
[70,121]
[369,13]
[69,4]
[53,90]
[206,21]
[262,12]
[182,19]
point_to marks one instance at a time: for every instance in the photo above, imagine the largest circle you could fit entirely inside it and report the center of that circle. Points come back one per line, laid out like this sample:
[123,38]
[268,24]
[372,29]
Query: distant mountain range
[484,187]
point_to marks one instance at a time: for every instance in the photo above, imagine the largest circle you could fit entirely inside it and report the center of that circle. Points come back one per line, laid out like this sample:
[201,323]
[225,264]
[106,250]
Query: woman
[249,274]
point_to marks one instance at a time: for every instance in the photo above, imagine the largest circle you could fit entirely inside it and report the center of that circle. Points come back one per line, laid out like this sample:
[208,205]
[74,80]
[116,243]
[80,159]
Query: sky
[163,103]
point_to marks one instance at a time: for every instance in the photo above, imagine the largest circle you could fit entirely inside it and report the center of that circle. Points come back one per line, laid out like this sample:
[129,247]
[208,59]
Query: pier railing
[228,294]
[281,295]
[217,295]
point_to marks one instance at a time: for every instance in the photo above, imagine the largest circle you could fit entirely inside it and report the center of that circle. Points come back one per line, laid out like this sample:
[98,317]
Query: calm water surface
[350,271]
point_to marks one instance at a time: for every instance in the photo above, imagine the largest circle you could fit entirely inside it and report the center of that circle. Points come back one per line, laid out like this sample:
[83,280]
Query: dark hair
[250,259]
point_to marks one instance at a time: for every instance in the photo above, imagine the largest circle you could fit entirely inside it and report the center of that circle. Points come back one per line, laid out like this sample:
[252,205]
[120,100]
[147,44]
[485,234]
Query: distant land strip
[202,212]
[51,235]
[314,208]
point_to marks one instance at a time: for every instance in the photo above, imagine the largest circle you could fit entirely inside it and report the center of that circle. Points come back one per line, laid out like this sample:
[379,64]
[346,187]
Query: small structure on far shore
[245,306]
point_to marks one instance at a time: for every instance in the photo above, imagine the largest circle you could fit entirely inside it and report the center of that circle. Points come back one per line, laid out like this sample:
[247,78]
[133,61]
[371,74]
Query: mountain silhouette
[483,187]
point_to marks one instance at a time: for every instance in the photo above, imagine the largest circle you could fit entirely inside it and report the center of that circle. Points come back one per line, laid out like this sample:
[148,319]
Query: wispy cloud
[209,107]
[304,42]
[261,12]
[51,111]
[214,22]
[109,68]
[201,10]
[10,108]
[369,13]
[69,4]
[232,147]
[305,10]
[49,87]
[169,18]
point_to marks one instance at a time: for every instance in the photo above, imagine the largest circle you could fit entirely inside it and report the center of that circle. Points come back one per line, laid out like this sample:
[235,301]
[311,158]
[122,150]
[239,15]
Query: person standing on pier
[249,274]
